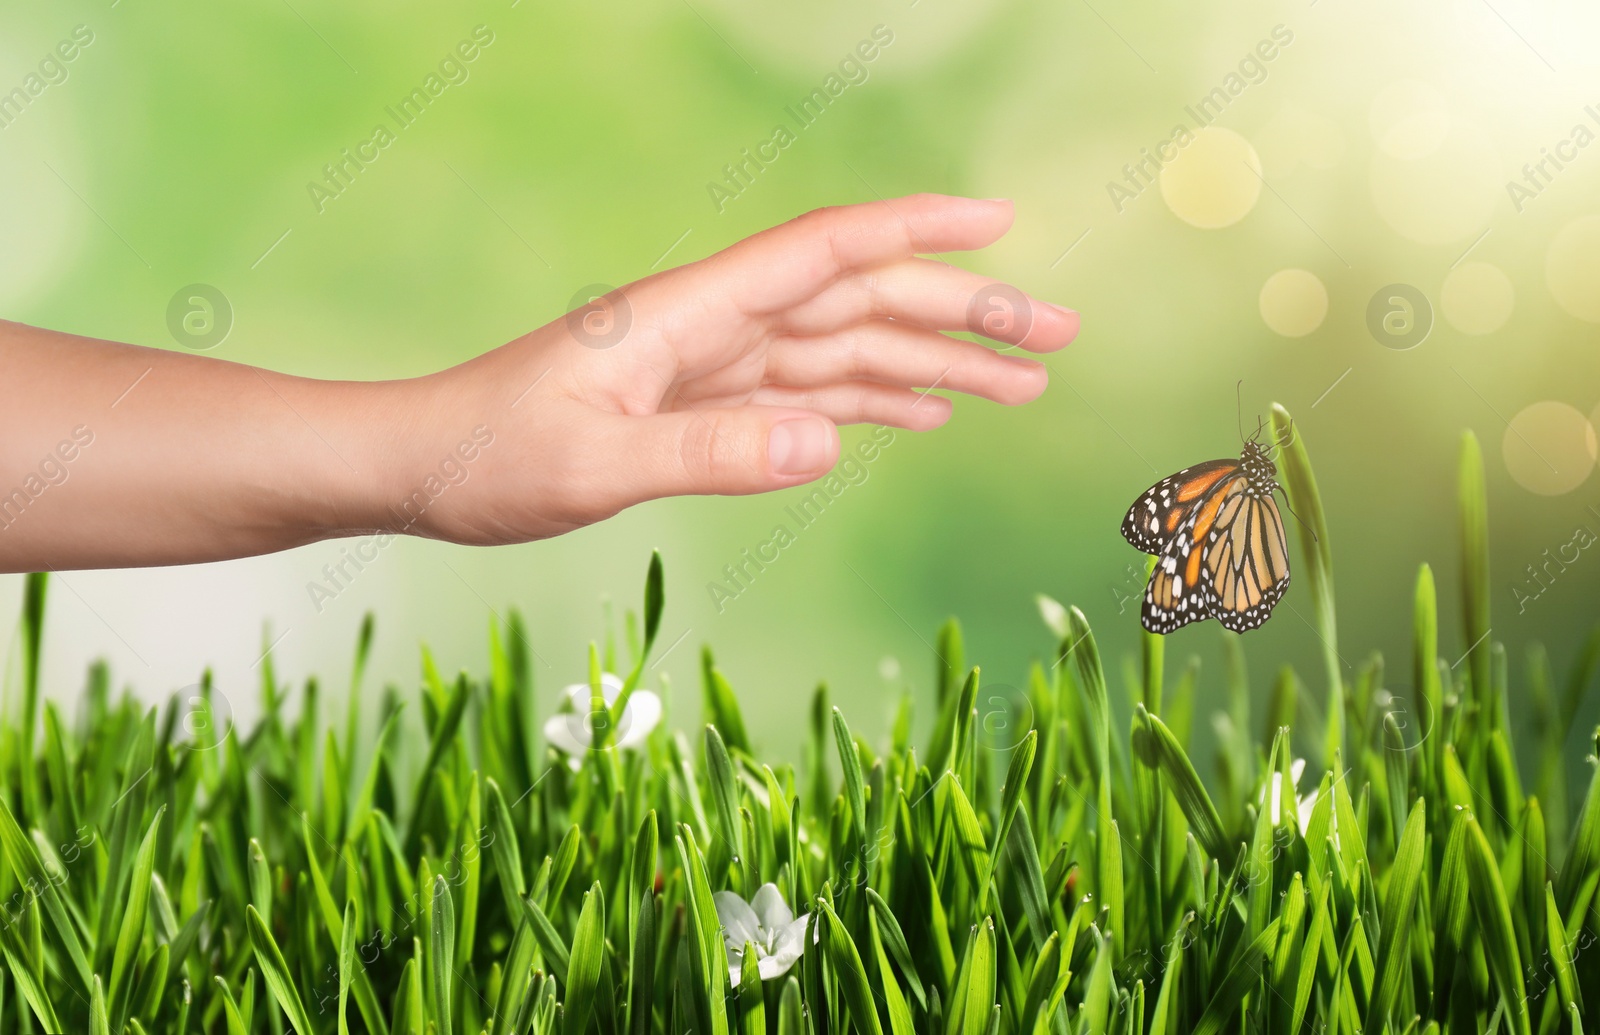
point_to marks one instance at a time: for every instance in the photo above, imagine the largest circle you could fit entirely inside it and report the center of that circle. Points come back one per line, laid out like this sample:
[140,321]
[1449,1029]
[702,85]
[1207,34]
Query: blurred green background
[1374,148]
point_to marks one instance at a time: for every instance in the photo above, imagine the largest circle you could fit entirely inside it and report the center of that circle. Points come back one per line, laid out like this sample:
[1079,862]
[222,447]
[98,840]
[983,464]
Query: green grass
[168,872]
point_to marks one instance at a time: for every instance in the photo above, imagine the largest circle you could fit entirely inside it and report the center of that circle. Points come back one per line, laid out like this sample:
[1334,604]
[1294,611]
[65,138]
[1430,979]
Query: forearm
[726,376]
[114,455]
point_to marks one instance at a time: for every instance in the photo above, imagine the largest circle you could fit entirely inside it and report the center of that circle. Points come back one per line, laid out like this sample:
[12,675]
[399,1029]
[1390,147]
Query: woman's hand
[726,376]
[729,375]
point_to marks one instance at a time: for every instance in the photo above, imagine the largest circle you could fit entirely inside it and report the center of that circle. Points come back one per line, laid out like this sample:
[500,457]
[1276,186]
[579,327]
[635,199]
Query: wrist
[428,439]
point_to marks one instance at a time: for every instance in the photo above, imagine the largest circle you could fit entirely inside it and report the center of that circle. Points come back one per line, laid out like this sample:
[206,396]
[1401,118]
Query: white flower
[1308,805]
[574,731]
[1304,805]
[767,923]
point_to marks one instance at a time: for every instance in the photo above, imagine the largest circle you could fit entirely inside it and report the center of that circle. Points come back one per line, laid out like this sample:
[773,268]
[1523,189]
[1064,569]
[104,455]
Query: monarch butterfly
[1216,530]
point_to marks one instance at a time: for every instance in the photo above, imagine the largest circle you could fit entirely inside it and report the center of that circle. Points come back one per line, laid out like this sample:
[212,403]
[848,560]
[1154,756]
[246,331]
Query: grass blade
[708,960]
[583,972]
[724,793]
[851,974]
[791,1018]
[1494,924]
[28,982]
[1241,978]
[894,940]
[30,872]
[1096,1008]
[347,965]
[33,598]
[722,705]
[1399,907]
[1158,748]
[1300,485]
[854,788]
[1472,503]
[654,602]
[549,940]
[276,973]
[131,934]
[1560,953]
[440,955]
[1092,680]
[641,983]
[899,1013]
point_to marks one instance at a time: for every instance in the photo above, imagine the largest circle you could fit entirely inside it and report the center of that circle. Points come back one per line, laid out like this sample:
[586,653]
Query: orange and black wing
[1229,561]
[1162,509]
[1246,563]
[1182,585]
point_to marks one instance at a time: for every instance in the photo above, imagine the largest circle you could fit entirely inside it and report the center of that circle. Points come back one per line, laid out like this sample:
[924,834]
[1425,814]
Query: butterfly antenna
[1300,519]
[1238,406]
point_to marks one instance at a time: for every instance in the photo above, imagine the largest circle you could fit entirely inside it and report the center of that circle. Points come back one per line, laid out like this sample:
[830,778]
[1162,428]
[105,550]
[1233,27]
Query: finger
[715,451]
[780,267]
[863,402]
[906,356]
[940,297]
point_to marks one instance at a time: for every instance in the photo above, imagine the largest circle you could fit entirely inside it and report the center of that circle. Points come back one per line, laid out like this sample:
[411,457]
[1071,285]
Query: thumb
[724,452]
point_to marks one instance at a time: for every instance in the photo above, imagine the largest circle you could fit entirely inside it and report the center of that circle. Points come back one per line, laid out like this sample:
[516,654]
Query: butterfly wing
[1246,563]
[1182,585]
[1162,509]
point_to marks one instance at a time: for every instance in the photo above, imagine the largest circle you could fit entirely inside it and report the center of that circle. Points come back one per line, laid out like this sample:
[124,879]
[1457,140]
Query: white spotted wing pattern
[1219,544]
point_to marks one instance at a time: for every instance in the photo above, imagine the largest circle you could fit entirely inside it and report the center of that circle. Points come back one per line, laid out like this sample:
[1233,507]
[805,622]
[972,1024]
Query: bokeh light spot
[1215,181]
[1572,268]
[1409,119]
[1477,298]
[1294,302]
[1549,448]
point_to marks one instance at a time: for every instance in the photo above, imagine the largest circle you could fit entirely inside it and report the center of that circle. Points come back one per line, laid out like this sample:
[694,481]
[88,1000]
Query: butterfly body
[1219,541]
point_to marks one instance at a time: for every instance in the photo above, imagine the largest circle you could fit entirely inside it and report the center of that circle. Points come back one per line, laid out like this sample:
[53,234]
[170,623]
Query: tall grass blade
[1238,982]
[275,972]
[35,589]
[440,956]
[347,964]
[654,603]
[587,957]
[29,870]
[641,983]
[1159,749]
[850,973]
[21,963]
[1495,925]
[1399,908]
[722,705]
[978,1000]
[1091,678]
[1306,500]
[1473,506]
[131,935]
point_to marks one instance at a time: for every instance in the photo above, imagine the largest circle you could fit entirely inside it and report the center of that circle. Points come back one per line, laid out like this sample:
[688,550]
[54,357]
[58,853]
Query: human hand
[726,376]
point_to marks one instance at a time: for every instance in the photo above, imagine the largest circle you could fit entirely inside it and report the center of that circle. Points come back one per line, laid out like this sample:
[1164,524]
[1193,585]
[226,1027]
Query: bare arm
[726,376]
[114,455]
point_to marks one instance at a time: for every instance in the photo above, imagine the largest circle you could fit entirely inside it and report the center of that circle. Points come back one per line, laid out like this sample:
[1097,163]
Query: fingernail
[799,446]
[1062,309]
